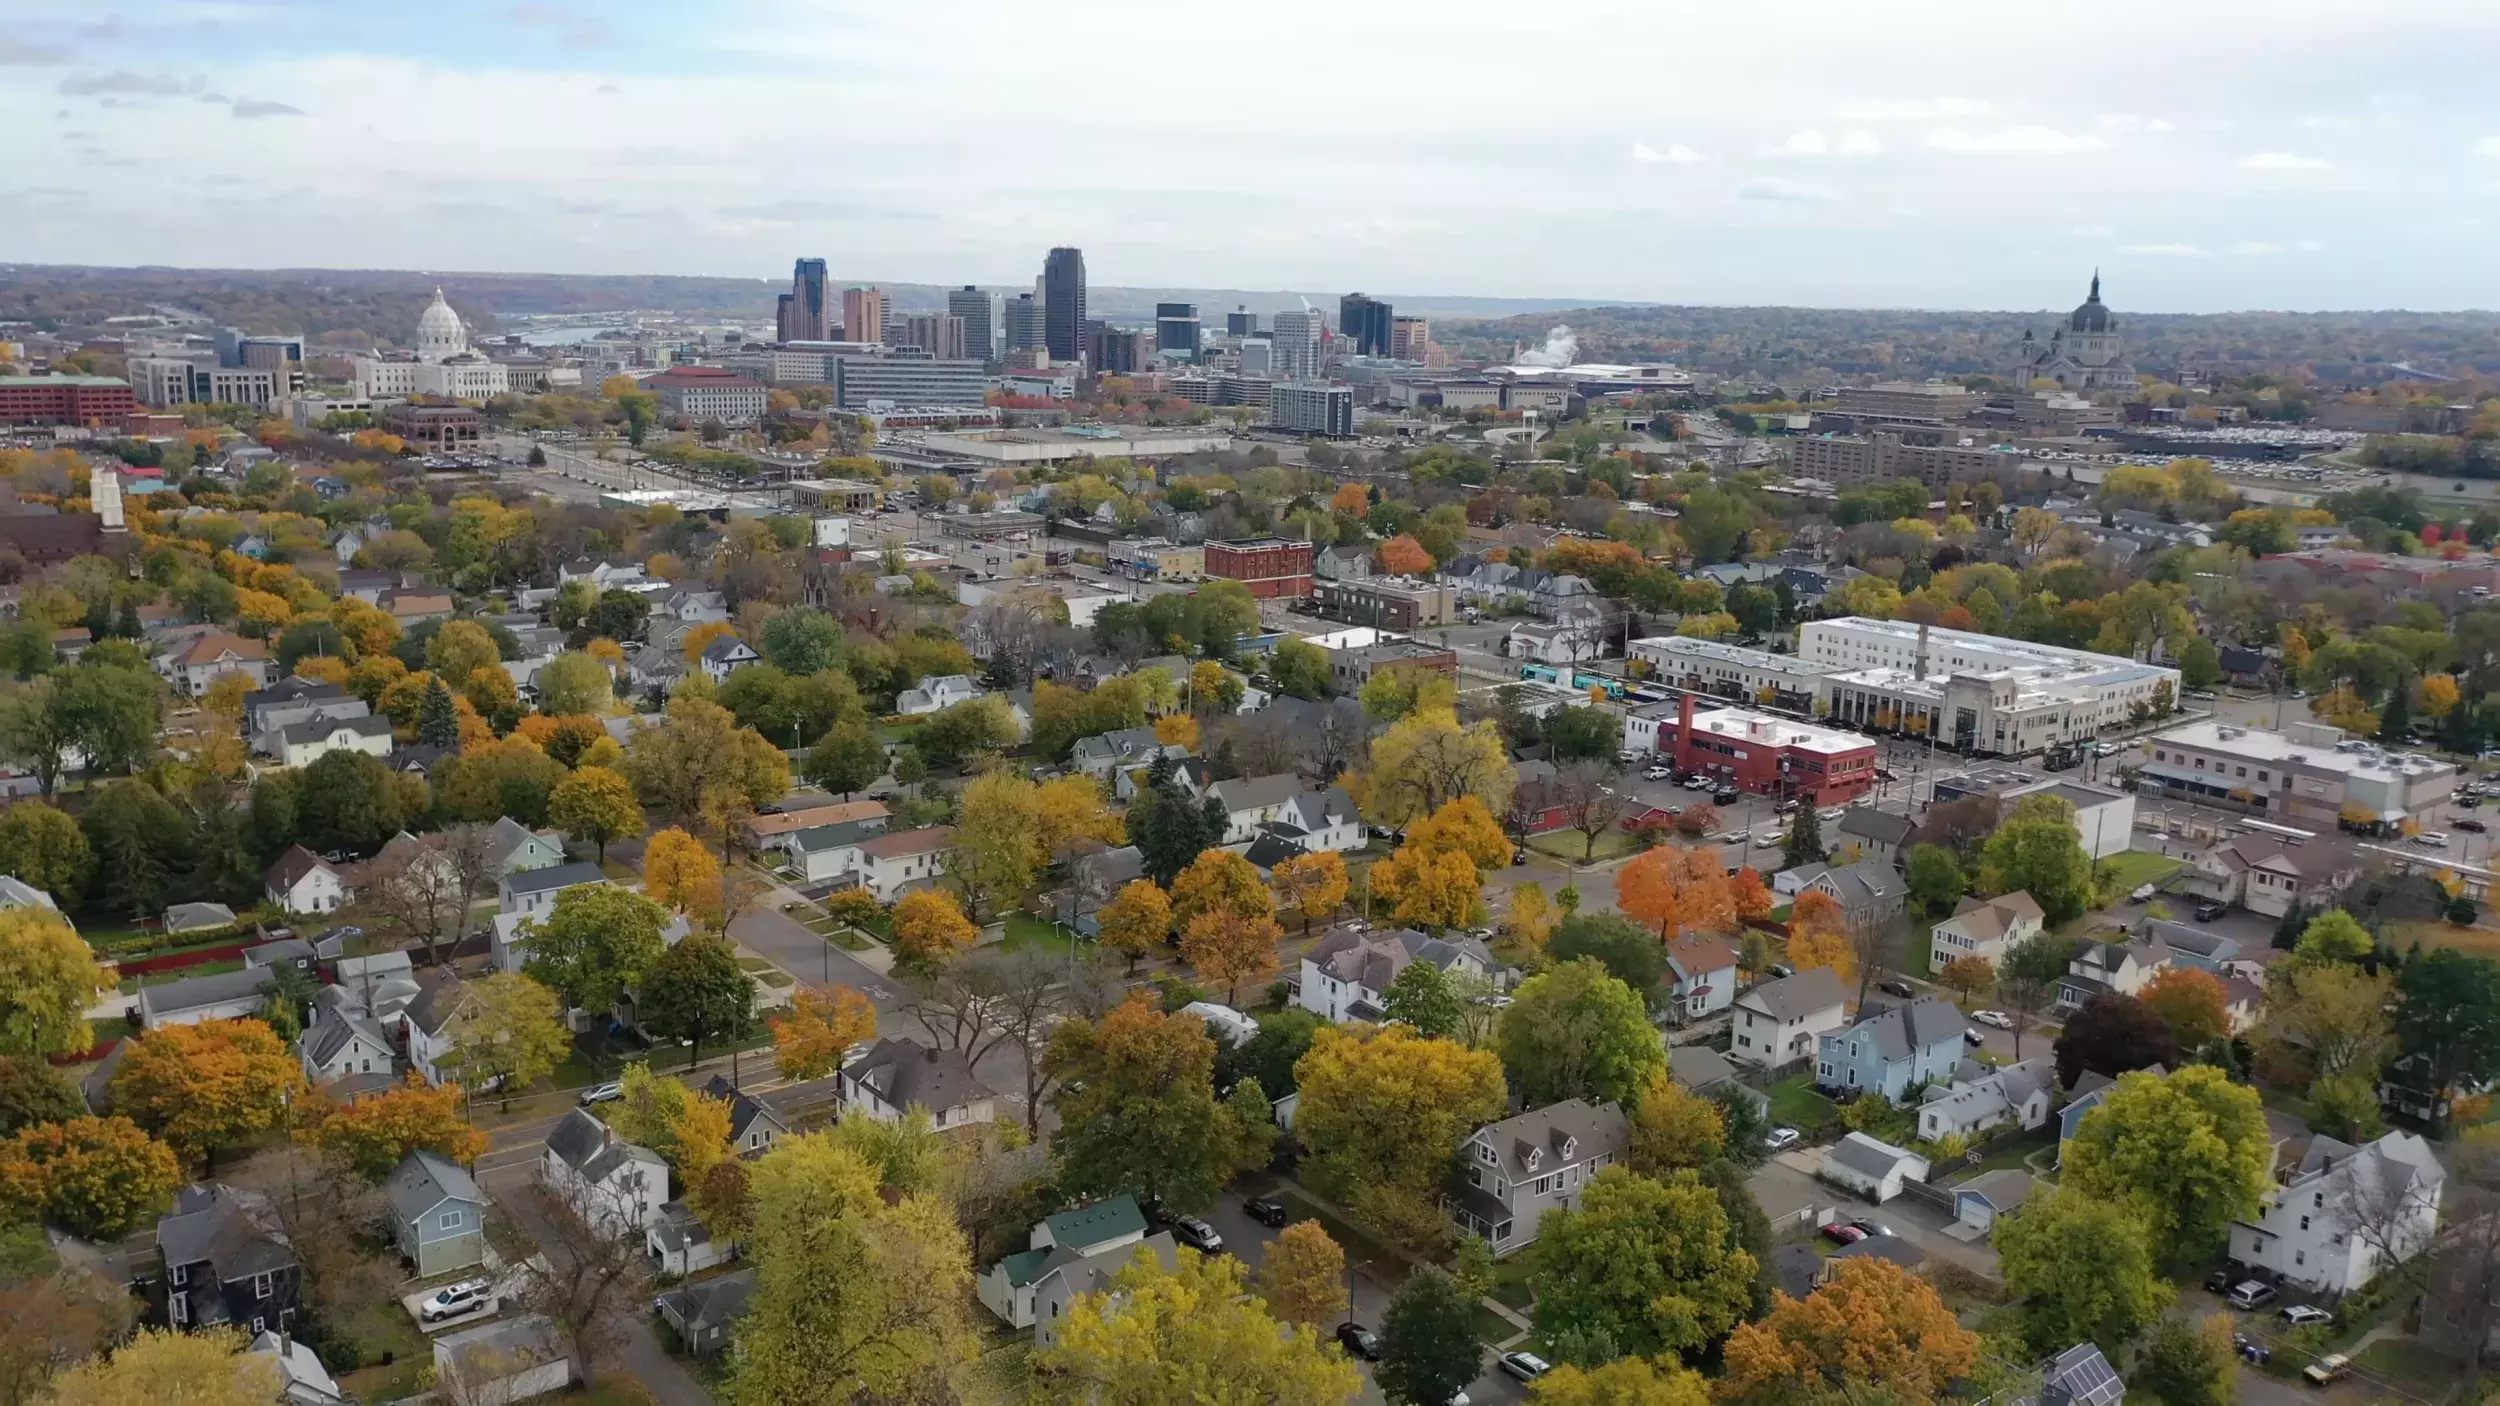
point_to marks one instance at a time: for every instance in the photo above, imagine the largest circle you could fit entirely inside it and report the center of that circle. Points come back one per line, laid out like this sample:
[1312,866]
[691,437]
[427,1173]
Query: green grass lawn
[1568,844]
[1028,933]
[1491,1327]
[1795,1104]
[1510,1282]
[2405,1360]
[2135,868]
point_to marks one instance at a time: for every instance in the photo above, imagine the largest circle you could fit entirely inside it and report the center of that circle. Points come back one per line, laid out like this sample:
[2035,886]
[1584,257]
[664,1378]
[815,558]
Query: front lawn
[1569,844]
[2134,869]
[1510,1282]
[1491,1327]
[1026,933]
[1795,1104]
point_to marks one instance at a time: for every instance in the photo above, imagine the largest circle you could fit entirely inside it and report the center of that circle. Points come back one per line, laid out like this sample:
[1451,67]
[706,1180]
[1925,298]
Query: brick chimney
[1683,725]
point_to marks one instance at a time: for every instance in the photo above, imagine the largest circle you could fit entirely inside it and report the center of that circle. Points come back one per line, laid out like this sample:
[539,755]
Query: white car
[2301,1315]
[1999,1019]
[1658,773]
[1781,1138]
[452,1300]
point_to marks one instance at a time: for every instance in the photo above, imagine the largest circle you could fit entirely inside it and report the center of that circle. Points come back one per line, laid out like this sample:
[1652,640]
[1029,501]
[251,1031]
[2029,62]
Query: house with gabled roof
[1346,974]
[1873,1169]
[1703,970]
[1321,821]
[726,655]
[226,1261]
[303,882]
[753,1127]
[1252,802]
[219,996]
[1879,835]
[936,694]
[438,1212]
[1778,1022]
[290,701]
[342,1045]
[1071,1253]
[1531,1163]
[302,744]
[890,863]
[533,892]
[2123,967]
[2268,874]
[1105,753]
[1869,892]
[430,1021]
[894,1076]
[212,657]
[1892,1048]
[2310,1232]
[1976,1098]
[703,1313]
[611,1182]
[1985,929]
[512,847]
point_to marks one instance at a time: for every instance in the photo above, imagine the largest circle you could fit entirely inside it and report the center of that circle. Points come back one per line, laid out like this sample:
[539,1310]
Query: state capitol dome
[440,336]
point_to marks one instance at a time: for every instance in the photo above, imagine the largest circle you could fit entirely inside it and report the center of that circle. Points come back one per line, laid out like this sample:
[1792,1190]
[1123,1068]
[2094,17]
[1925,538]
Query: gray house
[439,1213]
[1522,1167]
[702,1313]
[1892,1048]
[224,996]
[1869,892]
[1878,834]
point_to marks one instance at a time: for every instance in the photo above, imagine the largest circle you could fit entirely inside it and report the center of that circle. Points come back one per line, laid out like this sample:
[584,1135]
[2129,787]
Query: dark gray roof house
[752,1126]
[223,1264]
[2081,1376]
[702,1313]
[894,1076]
[1881,833]
[1867,889]
[561,876]
[224,996]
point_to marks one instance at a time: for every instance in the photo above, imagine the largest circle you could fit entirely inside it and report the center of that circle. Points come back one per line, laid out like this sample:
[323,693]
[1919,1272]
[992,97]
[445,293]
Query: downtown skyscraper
[1063,304]
[804,314]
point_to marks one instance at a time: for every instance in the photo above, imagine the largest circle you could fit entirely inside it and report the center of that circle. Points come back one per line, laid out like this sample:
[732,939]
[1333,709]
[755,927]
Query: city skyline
[1893,160]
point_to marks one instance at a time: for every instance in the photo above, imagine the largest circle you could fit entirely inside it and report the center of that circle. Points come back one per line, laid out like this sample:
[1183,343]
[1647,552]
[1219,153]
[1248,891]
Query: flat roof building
[1049,446]
[1853,459]
[1270,566]
[94,401]
[1756,752]
[2308,772]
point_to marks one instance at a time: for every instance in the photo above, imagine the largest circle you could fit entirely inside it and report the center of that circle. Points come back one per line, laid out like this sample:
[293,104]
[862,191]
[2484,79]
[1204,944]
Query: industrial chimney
[1920,663]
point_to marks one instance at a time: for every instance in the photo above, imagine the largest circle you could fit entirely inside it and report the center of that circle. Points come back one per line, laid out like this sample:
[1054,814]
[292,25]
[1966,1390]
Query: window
[258,1323]
[449,1220]
[1541,1186]
[179,1308]
[182,1274]
[2304,1222]
[261,1284]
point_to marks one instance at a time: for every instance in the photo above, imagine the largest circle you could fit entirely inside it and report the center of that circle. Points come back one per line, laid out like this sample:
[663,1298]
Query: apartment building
[1855,459]
[1270,566]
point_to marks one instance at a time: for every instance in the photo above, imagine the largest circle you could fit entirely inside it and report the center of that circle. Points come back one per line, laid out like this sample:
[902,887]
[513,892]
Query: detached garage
[498,1364]
[1874,1170]
[1989,1197]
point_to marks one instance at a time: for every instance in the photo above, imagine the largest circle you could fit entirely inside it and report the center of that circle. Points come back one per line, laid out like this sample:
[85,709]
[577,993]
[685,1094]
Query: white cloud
[2130,122]
[1774,188]
[1814,141]
[2014,141]
[1917,110]
[2248,247]
[2488,146]
[2096,232]
[2309,246]
[1676,154]
[2283,161]
[2171,251]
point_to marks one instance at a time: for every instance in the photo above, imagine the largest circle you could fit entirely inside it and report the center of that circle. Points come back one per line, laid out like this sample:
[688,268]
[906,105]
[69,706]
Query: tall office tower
[1024,322]
[1063,297]
[1115,351]
[1409,337]
[893,325]
[811,311]
[1176,329]
[1364,321]
[940,334]
[863,315]
[1257,356]
[783,310]
[1298,335]
[1241,322]
[973,306]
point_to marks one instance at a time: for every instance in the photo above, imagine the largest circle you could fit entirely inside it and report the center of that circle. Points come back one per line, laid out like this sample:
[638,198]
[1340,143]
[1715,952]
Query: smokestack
[1683,726]
[1921,663]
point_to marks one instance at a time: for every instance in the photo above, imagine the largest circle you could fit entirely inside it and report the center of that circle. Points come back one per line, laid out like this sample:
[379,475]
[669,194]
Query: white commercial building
[2307,772]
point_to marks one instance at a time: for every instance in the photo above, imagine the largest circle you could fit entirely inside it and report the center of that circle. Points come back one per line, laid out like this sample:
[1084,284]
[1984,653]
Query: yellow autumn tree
[1316,884]
[930,927]
[819,1029]
[2439,695]
[679,874]
[1818,936]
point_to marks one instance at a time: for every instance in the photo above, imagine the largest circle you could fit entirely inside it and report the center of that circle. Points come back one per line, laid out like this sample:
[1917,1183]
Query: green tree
[1575,1031]
[696,991]
[1171,828]
[2200,664]
[2396,719]
[1648,1262]
[1805,838]
[1574,733]
[508,1032]
[438,719]
[2187,1154]
[802,641]
[1936,879]
[1382,1111]
[2333,936]
[113,713]
[2037,850]
[598,942]
[1623,947]
[1428,1344]
[597,805]
[348,801]
[981,725]
[2112,1034]
[846,760]
[2187,1362]
[34,730]
[45,848]
[31,1093]
[48,979]
[2084,1270]
[1300,669]
[574,684]
[140,843]
[2448,1023]
[1421,996]
[1138,1112]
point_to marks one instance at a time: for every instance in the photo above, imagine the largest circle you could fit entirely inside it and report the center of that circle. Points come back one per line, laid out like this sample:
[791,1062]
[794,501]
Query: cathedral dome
[2091,315]
[439,333]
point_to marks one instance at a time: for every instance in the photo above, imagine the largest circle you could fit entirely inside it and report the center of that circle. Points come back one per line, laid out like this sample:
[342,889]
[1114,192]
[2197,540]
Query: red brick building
[1271,567]
[95,401]
[1758,752]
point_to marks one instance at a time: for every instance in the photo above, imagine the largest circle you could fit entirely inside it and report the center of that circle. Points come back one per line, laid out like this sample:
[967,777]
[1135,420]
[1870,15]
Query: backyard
[1795,1104]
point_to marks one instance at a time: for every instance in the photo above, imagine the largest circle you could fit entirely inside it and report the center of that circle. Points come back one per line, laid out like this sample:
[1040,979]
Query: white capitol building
[442,365]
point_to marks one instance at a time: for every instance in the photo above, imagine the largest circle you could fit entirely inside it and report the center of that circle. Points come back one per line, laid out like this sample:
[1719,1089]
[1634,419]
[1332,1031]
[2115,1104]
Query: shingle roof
[561,876]
[320,729]
[1899,1032]
[1257,792]
[713,1302]
[744,1110]
[1861,1153]
[213,1224]
[424,1181]
[1868,823]
[1096,1223]
[200,992]
[1698,1066]
[1795,997]
[1866,881]
[333,1031]
[292,867]
[908,842]
[577,1137]
[906,1074]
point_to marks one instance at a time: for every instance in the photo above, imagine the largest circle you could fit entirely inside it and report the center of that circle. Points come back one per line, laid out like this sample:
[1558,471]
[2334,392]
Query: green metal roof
[1022,1266]
[61,381]
[1097,1224]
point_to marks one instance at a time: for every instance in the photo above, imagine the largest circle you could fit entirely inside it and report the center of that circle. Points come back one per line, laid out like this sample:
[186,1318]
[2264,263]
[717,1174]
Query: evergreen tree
[438,723]
[1428,1347]
[2396,723]
[1805,836]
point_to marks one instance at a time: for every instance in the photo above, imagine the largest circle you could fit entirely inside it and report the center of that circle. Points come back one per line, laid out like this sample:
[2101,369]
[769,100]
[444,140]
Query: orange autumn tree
[1753,897]
[1402,555]
[1875,1326]
[373,1135]
[2191,1003]
[1466,826]
[1316,883]
[1353,500]
[1818,936]
[930,928]
[822,1024]
[1430,889]
[1677,890]
[1136,920]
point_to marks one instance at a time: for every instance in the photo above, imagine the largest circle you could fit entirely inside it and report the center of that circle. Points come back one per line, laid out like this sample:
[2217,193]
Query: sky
[2207,156]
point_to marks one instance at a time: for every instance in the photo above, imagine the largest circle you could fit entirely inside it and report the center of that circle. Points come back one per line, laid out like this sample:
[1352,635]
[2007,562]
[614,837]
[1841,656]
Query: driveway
[1787,1180]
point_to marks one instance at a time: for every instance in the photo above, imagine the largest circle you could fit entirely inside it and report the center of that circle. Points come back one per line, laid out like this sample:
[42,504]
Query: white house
[212,656]
[892,1077]
[431,1022]
[1321,821]
[2123,967]
[1106,1231]
[1346,973]
[888,864]
[2345,1213]
[611,1182]
[1875,1170]
[680,1243]
[1254,801]
[725,655]
[1704,969]
[1979,1098]
[222,996]
[826,853]
[532,892]
[302,744]
[302,882]
[1782,1021]
[499,1363]
[341,1044]
[936,694]
[1984,929]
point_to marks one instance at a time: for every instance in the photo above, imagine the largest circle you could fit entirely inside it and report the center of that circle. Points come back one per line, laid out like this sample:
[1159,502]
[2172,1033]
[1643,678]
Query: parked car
[2143,894]
[1726,796]
[452,1300]
[2470,825]
[2432,839]
[1359,1340]
[1840,1234]
[1779,1138]
[1267,1212]
[1996,1019]
[1197,1234]
[2332,1367]
[1786,807]
[1875,1227]
[2251,1294]
[1895,986]
[2209,910]
[2218,1282]
[1973,1038]
[1658,773]
[2301,1315]
[1525,1366]
[602,1093]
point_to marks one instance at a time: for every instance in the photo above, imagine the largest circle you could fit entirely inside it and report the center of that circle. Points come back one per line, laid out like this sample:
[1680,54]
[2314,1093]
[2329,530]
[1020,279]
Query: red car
[1840,1234]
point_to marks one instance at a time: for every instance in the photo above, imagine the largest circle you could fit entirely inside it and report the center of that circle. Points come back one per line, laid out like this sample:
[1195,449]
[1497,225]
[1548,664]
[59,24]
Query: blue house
[1891,1048]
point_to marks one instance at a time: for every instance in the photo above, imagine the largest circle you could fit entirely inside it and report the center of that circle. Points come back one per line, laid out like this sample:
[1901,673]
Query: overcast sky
[2209,155]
